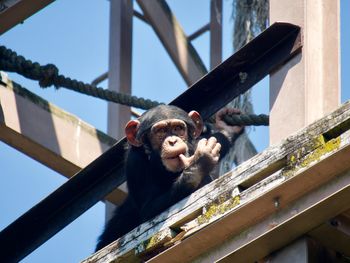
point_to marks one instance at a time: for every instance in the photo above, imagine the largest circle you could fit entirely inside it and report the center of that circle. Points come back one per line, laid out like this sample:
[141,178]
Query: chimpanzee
[166,162]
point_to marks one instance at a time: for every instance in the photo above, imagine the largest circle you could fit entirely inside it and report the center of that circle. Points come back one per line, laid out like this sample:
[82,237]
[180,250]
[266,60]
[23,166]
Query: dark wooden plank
[334,234]
[242,70]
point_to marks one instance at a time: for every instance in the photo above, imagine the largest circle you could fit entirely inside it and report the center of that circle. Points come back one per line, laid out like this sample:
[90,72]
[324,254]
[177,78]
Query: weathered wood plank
[272,195]
[48,134]
[13,12]
[170,33]
[288,224]
[308,161]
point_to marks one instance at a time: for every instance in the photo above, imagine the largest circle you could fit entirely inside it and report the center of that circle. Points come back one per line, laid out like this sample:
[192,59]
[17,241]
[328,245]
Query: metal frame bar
[100,79]
[199,32]
[141,17]
[237,74]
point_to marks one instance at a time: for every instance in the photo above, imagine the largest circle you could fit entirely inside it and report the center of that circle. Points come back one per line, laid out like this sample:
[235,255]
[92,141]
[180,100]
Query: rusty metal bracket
[237,74]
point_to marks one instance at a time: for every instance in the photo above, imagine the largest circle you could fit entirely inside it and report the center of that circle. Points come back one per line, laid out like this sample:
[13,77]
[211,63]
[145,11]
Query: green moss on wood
[217,209]
[155,241]
[304,157]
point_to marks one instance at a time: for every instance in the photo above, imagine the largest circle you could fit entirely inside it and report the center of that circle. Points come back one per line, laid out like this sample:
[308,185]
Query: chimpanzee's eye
[161,131]
[179,129]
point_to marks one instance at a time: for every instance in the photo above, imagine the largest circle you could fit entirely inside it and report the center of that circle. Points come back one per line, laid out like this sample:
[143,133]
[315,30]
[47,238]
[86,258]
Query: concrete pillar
[308,86]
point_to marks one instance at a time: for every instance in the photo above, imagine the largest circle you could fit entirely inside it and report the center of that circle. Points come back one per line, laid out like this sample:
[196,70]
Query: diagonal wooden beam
[171,34]
[48,134]
[13,12]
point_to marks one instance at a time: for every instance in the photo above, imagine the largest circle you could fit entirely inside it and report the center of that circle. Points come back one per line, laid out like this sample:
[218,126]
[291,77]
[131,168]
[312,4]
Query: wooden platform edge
[295,163]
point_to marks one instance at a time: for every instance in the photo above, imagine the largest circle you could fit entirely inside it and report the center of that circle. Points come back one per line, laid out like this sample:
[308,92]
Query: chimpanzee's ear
[131,129]
[198,122]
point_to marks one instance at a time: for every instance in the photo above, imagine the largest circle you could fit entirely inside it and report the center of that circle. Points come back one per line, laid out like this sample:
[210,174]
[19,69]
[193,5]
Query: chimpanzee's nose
[172,141]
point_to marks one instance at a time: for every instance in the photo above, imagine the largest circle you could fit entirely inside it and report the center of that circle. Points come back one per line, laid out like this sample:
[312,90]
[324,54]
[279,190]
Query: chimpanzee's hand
[206,155]
[223,127]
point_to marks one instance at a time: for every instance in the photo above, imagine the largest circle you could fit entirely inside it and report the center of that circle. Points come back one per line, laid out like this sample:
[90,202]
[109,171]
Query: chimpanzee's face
[168,130]
[169,138]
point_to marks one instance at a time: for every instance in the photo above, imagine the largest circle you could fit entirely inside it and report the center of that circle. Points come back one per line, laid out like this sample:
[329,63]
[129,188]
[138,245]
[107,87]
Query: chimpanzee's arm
[199,166]
[124,219]
[225,134]
[155,190]
[182,187]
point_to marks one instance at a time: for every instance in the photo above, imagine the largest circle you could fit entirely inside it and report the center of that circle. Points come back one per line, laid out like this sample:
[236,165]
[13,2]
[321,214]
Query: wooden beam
[171,34]
[302,182]
[347,214]
[199,32]
[302,250]
[119,72]
[215,33]
[334,234]
[13,12]
[240,72]
[119,69]
[310,82]
[48,134]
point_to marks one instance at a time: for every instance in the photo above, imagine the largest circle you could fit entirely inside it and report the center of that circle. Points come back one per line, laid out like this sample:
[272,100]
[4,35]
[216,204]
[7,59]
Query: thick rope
[48,75]
[247,120]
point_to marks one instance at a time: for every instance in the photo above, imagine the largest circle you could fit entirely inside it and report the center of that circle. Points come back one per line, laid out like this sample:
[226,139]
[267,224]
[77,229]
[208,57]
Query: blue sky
[73,35]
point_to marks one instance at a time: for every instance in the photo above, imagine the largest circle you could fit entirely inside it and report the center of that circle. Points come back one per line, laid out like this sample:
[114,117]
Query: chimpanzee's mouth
[174,155]
[172,158]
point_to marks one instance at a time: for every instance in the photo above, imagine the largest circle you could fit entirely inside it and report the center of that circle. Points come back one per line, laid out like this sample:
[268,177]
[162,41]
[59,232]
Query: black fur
[151,187]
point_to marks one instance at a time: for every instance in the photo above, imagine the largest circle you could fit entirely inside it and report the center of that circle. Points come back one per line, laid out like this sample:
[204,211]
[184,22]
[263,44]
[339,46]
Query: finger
[216,150]
[186,161]
[233,111]
[216,159]
[219,115]
[211,142]
[202,142]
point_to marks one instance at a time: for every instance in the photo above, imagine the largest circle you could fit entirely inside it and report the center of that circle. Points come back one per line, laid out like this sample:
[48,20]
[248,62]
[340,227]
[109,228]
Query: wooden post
[119,74]
[215,33]
[308,86]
